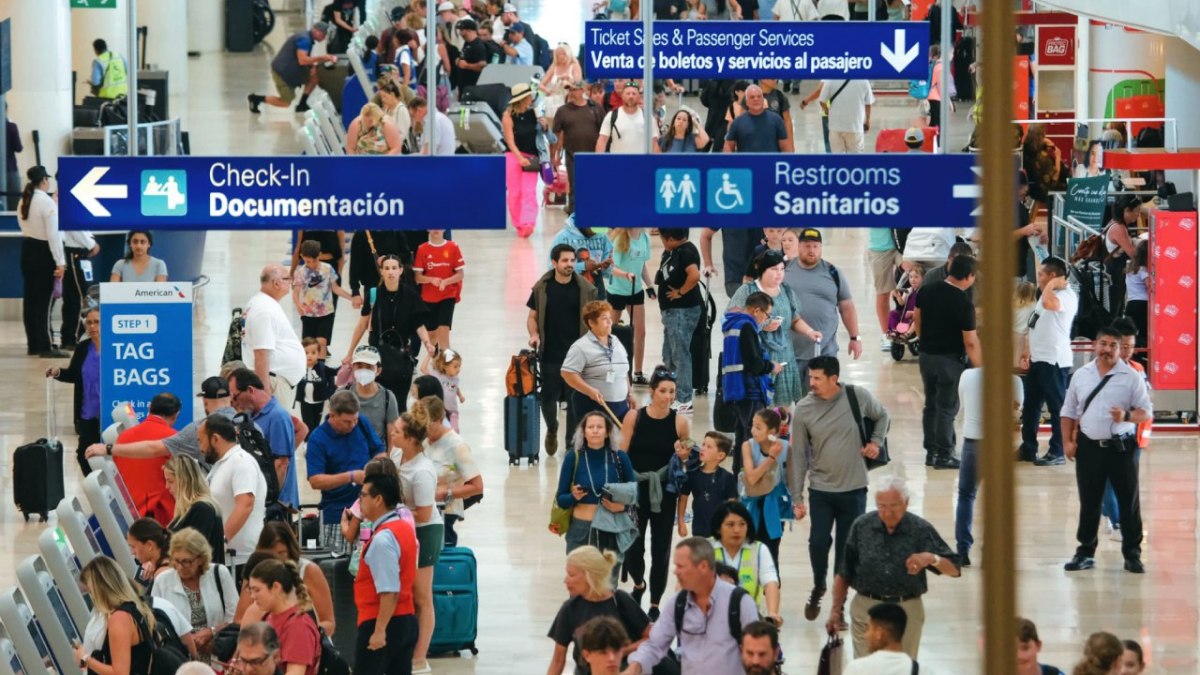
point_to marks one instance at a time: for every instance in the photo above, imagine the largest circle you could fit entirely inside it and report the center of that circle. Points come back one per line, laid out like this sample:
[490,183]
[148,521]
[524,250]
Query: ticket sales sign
[729,50]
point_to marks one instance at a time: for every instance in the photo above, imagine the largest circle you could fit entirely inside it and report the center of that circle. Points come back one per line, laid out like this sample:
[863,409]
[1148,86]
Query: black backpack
[253,442]
[735,611]
[542,54]
[167,652]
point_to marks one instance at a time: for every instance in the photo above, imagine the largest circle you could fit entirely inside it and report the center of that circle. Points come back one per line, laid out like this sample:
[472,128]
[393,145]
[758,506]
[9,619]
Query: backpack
[521,379]
[253,442]
[233,343]
[735,611]
[1091,248]
[612,128]
[167,652]
[1149,137]
[542,54]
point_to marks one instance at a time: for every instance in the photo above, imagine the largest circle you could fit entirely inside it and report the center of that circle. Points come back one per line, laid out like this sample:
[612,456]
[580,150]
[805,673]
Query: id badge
[85,266]
[611,376]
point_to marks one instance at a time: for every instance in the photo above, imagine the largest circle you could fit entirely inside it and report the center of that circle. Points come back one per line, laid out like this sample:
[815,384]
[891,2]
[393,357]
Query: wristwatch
[854,338]
[108,449]
[1128,415]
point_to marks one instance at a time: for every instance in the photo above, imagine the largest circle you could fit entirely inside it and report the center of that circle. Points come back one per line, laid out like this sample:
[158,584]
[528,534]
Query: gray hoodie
[835,462]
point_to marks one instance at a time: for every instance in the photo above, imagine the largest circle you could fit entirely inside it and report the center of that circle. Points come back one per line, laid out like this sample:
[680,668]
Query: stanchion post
[131,67]
[648,73]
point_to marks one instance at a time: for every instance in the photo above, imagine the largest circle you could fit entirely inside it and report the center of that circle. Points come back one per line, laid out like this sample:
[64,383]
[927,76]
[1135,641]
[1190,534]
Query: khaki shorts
[883,269]
[286,91]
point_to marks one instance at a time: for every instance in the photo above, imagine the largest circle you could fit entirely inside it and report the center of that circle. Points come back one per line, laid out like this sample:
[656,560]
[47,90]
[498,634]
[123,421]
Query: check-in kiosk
[109,467]
[10,661]
[58,626]
[73,520]
[26,634]
[66,570]
[111,515]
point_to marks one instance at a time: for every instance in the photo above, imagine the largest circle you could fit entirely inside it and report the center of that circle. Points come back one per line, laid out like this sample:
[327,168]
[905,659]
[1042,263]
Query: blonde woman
[194,504]
[125,617]
[458,474]
[631,282]
[521,125]
[197,588]
[589,585]
[562,72]
[372,133]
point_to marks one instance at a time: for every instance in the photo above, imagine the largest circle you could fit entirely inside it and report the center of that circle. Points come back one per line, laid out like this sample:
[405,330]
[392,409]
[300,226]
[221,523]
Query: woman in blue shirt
[595,463]
[685,134]
[629,285]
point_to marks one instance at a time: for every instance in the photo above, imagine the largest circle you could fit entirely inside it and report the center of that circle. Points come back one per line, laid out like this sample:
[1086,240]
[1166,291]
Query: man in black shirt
[945,322]
[739,244]
[680,300]
[555,322]
[474,54]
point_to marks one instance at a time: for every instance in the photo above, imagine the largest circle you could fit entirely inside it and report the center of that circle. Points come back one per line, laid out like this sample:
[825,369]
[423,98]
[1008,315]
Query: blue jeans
[968,485]
[1045,383]
[825,510]
[678,327]
[1108,507]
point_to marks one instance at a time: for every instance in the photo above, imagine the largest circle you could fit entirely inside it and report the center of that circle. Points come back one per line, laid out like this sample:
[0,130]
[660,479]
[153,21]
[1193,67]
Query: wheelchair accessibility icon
[730,191]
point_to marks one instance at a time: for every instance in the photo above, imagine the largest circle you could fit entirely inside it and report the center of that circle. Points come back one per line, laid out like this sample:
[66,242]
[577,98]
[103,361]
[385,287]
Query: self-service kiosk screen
[91,537]
[116,511]
[126,496]
[62,614]
[15,665]
[97,535]
[76,574]
[39,640]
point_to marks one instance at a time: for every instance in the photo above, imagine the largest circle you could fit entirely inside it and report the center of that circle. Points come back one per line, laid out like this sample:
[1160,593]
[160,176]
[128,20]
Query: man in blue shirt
[519,50]
[295,66]
[248,396]
[337,452]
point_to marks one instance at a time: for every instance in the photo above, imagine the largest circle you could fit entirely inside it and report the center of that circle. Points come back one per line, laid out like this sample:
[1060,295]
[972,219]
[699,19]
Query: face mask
[364,377]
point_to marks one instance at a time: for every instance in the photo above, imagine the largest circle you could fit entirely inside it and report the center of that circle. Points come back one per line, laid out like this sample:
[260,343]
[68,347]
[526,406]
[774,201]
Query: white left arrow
[898,57]
[970,191]
[89,192]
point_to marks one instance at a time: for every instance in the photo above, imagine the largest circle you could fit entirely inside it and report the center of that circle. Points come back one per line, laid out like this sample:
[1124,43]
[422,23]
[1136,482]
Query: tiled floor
[521,565]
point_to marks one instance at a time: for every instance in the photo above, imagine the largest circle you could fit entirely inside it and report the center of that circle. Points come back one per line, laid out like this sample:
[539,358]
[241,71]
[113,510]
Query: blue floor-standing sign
[776,190]
[258,193]
[145,346]
[732,50]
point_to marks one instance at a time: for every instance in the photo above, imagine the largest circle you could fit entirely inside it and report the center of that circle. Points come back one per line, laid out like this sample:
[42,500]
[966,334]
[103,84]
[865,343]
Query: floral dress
[779,342]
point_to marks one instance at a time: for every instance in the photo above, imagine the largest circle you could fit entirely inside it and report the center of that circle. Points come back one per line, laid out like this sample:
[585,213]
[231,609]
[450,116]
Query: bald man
[759,129]
[270,344]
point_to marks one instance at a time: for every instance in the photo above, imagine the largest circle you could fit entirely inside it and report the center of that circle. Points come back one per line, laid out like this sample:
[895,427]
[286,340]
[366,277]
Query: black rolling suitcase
[702,342]
[345,612]
[624,334]
[38,468]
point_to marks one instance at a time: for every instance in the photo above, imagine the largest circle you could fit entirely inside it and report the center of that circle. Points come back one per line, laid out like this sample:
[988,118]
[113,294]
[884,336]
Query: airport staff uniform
[77,248]
[41,253]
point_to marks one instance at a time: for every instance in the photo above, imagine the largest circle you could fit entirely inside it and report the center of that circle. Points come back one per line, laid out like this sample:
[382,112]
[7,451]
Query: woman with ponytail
[1101,655]
[278,589]
[42,260]
[149,542]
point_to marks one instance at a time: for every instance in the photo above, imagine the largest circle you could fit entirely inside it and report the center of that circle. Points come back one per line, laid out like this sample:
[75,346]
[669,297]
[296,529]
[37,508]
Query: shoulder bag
[560,518]
[866,428]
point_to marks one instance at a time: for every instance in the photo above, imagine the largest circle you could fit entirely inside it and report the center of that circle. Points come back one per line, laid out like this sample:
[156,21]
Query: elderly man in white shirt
[275,353]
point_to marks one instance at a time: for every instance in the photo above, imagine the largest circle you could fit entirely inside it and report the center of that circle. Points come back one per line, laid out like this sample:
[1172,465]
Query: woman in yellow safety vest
[735,547]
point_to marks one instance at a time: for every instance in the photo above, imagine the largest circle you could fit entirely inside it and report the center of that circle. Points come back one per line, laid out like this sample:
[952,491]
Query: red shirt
[440,262]
[299,641]
[144,477]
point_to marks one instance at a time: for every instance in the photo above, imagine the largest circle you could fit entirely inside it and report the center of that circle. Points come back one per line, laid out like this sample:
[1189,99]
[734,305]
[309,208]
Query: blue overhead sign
[775,190]
[260,193]
[731,50]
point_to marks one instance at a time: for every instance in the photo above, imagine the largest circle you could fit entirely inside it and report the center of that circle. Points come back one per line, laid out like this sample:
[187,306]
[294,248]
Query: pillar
[206,26]
[1118,54]
[166,21]
[110,25]
[1183,100]
[40,98]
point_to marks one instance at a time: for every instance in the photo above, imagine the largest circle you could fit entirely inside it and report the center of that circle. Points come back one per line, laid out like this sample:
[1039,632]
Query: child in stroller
[900,320]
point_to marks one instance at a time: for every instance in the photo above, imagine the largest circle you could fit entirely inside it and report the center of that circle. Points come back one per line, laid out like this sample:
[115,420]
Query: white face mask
[364,377]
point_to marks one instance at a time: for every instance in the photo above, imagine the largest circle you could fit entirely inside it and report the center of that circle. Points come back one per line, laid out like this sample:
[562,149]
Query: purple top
[90,409]
[13,145]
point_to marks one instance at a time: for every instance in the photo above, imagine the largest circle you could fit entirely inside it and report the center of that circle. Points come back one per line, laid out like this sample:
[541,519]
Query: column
[166,21]
[110,25]
[40,98]
[206,26]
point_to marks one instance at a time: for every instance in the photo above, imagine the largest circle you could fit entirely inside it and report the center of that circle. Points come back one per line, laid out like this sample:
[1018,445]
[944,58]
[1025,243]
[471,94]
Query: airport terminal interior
[521,564]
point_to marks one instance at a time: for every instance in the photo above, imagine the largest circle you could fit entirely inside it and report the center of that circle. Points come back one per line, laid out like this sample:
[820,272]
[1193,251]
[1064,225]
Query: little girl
[772,240]
[900,319]
[1024,299]
[317,385]
[446,367]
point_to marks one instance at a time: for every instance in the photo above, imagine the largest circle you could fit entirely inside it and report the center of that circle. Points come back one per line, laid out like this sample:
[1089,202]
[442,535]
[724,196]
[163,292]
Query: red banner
[1021,88]
[1056,45]
[1173,310]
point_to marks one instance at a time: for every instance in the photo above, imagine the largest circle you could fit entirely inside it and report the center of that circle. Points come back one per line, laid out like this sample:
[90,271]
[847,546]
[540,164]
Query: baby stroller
[901,331]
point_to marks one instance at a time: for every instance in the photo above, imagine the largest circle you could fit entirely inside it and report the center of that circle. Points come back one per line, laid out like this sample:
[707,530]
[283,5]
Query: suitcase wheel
[514,462]
[26,517]
[533,461]
[474,650]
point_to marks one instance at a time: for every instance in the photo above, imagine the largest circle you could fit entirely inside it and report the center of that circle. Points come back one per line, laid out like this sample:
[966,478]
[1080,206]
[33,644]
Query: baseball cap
[321,26]
[510,8]
[366,354]
[466,23]
[810,234]
[445,7]
[516,27]
[214,387]
[398,13]
[914,135]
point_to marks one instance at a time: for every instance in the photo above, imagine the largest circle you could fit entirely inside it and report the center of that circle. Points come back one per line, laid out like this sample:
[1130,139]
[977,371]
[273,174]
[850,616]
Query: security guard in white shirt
[42,260]
[78,246]
[1106,401]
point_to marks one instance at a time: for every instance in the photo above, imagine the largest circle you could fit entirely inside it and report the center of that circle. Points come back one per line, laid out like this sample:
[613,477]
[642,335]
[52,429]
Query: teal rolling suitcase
[456,602]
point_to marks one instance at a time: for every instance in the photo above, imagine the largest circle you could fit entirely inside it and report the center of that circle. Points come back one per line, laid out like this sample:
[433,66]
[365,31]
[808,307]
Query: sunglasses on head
[663,374]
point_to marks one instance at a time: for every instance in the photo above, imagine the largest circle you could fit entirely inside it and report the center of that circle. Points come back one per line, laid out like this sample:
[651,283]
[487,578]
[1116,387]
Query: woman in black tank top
[651,436]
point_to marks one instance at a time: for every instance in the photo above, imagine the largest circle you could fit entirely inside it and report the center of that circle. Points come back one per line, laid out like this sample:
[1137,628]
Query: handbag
[560,518]
[865,429]
[763,487]
[831,656]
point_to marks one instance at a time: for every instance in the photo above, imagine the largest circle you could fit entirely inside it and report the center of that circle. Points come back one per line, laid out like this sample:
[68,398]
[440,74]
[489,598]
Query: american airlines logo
[1057,46]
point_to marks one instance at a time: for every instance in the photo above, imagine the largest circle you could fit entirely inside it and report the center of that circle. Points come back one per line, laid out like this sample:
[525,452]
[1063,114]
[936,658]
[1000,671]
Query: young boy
[317,385]
[711,485]
[1028,648]
[313,287]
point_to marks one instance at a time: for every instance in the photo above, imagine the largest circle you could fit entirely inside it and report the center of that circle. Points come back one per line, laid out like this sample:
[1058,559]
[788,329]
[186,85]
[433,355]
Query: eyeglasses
[238,660]
[703,630]
[183,562]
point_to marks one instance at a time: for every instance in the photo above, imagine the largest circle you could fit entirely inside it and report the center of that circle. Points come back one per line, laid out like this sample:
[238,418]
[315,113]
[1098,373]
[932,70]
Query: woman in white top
[734,546]
[138,264]
[418,486]
[562,72]
[1137,292]
[393,106]
[42,260]
[197,588]
[458,475]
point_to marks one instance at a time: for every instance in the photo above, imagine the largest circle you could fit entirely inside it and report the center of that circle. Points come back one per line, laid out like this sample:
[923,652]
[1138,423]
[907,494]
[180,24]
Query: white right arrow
[89,192]
[899,58]
[970,191]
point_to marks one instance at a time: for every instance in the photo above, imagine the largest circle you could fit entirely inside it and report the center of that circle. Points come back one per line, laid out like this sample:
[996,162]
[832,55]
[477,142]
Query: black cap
[810,234]
[467,23]
[398,13]
[37,174]
[214,387]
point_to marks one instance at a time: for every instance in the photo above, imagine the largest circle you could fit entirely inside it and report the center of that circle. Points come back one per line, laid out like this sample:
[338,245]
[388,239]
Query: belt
[896,599]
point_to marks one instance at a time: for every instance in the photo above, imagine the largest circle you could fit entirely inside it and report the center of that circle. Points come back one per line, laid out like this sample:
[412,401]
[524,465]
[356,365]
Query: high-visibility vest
[114,81]
[747,567]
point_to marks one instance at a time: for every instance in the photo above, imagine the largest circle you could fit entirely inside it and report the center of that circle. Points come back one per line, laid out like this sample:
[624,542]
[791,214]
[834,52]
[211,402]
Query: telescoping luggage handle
[51,413]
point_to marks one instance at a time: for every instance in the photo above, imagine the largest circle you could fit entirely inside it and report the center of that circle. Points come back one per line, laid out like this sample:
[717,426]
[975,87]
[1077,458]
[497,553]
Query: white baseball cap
[510,8]
[445,7]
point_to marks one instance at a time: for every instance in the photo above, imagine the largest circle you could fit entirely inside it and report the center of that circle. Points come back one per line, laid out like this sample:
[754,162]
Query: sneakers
[254,100]
[684,409]
[422,670]
[1050,460]
[946,462]
[551,441]
[812,608]
[885,345]
[1080,563]
[640,379]
[1115,534]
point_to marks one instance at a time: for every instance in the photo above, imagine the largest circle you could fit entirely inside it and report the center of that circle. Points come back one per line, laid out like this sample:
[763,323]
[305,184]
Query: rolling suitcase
[624,333]
[455,601]
[477,128]
[522,429]
[38,468]
[494,95]
[345,612]
[702,341]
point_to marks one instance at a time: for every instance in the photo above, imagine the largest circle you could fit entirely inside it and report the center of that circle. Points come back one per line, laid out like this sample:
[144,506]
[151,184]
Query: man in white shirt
[443,137]
[237,486]
[274,348]
[1046,355]
[78,247]
[849,103]
[626,126]
[885,630]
